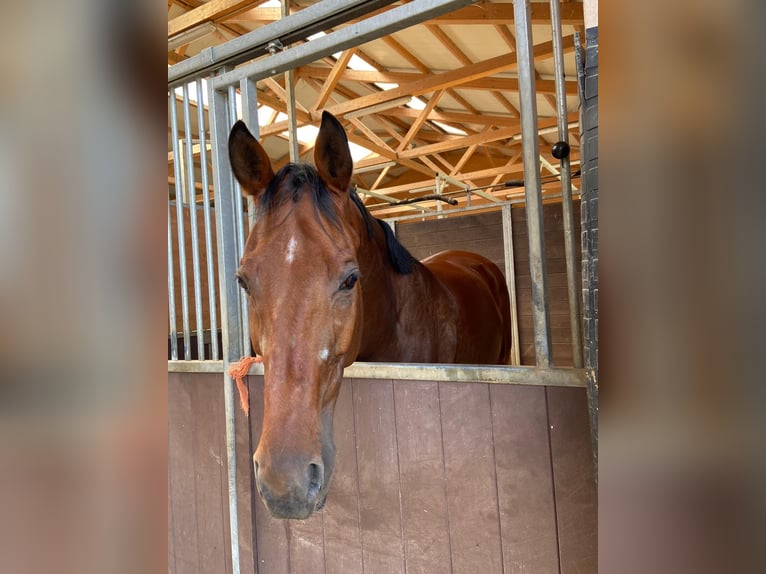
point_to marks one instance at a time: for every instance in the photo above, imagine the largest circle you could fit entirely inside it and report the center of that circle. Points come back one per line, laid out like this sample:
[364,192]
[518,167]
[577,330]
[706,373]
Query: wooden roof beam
[492,13]
[484,84]
[213,11]
[449,79]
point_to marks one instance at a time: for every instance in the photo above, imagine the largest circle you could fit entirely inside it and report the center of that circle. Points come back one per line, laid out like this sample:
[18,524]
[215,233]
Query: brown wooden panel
[421,475]
[574,479]
[379,507]
[181,468]
[171,529]
[343,545]
[306,544]
[209,470]
[525,484]
[245,489]
[471,480]
[273,556]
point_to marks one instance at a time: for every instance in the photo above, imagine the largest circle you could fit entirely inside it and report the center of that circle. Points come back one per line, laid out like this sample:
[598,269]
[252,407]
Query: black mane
[293,180]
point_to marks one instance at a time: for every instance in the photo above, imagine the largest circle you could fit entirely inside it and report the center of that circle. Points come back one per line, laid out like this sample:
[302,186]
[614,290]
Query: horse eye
[242,283]
[349,282]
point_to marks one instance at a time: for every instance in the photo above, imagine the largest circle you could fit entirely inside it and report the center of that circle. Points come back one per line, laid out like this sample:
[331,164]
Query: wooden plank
[379,508]
[496,13]
[306,544]
[343,545]
[471,480]
[210,460]
[421,473]
[452,78]
[181,469]
[171,527]
[574,480]
[372,76]
[273,556]
[213,10]
[245,486]
[525,484]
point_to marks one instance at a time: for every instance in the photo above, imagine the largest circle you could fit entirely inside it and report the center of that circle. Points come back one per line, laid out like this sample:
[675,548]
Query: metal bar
[239,216]
[511,375]
[196,276]
[447,212]
[365,31]
[195,367]
[231,319]
[292,120]
[566,188]
[508,375]
[299,26]
[532,189]
[510,279]
[212,299]
[180,226]
[172,293]
[248,92]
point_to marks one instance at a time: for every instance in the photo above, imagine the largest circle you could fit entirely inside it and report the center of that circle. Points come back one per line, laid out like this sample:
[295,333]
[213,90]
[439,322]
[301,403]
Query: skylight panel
[356,63]
[450,130]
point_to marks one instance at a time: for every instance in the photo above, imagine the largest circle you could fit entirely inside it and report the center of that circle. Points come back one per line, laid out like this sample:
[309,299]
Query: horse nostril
[315,476]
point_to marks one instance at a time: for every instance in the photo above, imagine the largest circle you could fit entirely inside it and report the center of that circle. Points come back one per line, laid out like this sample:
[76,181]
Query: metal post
[510,279]
[239,215]
[566,189]
[248,91]
[193,224]
[227,204]
[172,295]
[212,299]
[180,225]
[292,120]
[532,187]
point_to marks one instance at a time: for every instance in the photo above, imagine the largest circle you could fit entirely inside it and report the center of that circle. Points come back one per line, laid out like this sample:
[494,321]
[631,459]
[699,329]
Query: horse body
[328,284]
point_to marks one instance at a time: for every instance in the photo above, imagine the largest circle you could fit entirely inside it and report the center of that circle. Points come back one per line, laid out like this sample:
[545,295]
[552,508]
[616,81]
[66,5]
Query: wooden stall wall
[483,233]
[430,478]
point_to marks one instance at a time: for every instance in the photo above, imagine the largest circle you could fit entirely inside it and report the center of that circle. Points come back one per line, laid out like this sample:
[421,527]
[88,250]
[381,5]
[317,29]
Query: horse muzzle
[295,492]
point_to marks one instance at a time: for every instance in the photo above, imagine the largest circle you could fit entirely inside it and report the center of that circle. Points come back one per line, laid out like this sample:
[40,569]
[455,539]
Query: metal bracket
[275,46]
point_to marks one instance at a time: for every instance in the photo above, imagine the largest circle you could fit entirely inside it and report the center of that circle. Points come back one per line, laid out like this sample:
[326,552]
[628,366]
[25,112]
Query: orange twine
[238,371]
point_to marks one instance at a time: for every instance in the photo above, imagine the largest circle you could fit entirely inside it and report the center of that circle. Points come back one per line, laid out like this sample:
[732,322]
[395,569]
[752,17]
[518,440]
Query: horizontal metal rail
[361,32]
[497,374]
[299,26]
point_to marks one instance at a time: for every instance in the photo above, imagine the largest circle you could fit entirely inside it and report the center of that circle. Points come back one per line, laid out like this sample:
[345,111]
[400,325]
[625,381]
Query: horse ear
[249,161]
[331,154]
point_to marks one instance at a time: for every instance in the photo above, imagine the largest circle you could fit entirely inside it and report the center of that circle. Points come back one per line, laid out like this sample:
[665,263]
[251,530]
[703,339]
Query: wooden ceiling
[461,70]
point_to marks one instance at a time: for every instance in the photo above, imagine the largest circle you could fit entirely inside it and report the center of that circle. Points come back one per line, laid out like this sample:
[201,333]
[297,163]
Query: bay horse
[329,284]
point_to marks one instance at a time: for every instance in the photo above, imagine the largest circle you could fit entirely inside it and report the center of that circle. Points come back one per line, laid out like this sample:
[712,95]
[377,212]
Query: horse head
[301,274]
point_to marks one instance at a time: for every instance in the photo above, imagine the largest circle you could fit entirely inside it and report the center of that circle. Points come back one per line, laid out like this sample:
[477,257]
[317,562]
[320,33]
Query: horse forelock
[291,183]
[294,180]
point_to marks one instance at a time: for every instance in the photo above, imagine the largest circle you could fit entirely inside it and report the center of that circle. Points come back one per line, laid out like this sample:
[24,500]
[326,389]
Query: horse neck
[385,293]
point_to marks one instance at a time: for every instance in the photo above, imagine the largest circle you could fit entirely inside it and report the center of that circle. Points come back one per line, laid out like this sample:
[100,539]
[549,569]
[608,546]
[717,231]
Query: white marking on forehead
[323,354]
[292,245]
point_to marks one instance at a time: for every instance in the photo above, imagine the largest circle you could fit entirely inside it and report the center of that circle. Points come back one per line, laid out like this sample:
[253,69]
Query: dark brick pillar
[588,72]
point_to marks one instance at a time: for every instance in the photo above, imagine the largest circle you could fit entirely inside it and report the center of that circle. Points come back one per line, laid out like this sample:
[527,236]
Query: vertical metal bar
[532,187]
[193,224]
[510,279]
[171,291]
[211,279]
[231,319]
[180,226]
[292,121]
[566,188]
[249,93]
[241,235]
